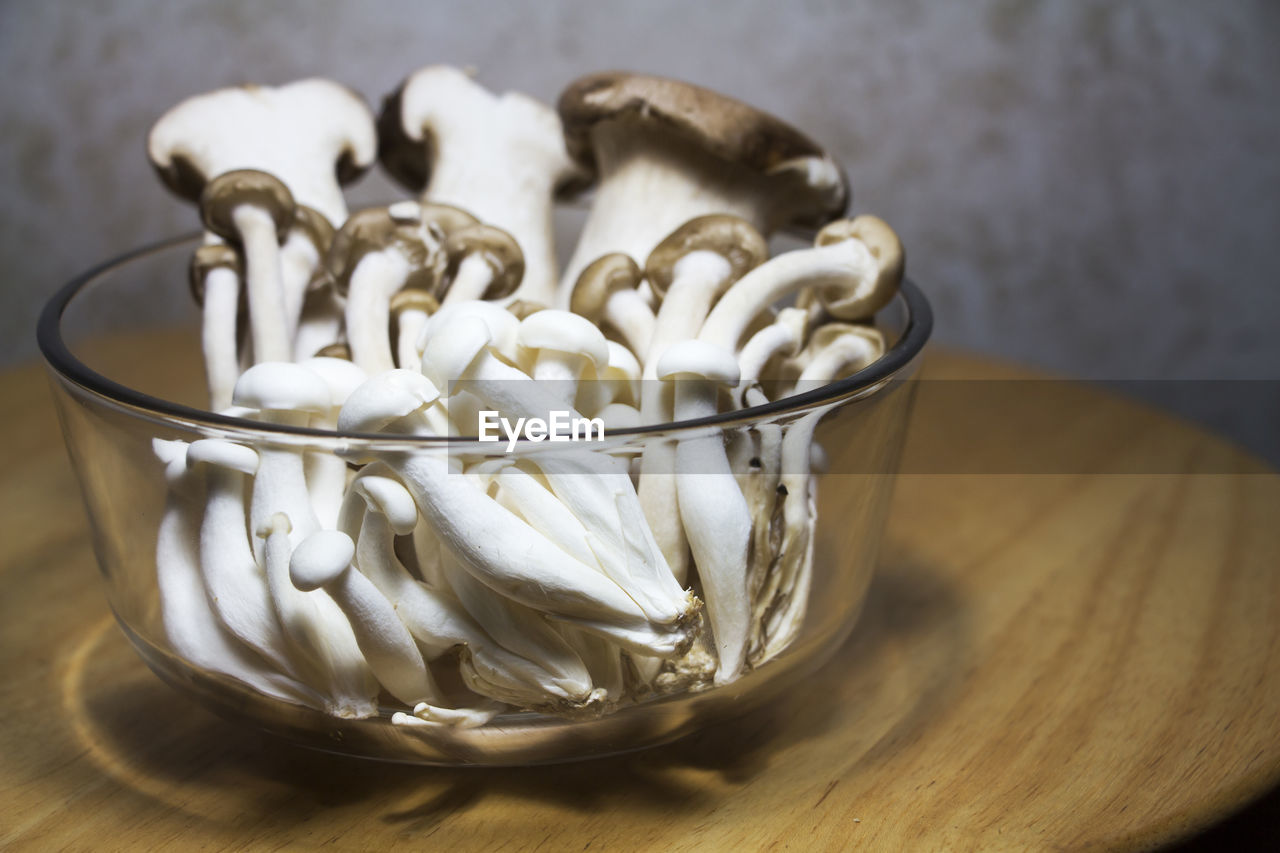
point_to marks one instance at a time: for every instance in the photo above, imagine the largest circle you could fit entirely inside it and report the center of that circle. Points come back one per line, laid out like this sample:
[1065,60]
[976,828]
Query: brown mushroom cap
[315,226]
[493,244]
[603,276]
[722,126]
[406,160]
[731,237]
[227,192]
[334,350]
[372,230]
[206,259]
[885,248]
[411,298]
[444,219]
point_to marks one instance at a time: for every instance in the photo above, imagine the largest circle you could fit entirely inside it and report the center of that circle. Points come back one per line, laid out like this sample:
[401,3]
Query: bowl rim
[58,355]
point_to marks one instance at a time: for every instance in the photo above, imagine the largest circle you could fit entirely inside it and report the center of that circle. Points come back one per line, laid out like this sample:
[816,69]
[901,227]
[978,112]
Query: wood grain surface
[1078,659]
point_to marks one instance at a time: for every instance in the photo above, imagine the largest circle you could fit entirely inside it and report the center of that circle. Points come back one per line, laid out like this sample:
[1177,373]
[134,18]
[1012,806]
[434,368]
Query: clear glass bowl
[112,405]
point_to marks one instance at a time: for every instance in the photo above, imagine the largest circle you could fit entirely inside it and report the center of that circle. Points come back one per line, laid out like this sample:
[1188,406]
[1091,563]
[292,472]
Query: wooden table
[1046,660]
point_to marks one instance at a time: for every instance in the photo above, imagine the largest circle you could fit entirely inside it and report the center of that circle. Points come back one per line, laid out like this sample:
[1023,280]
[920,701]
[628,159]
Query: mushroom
[484,263]
[190,623]
[854,270]
[249,154]
[667,152]
[215,283]
[434,616]
[323,560]
[836,349]
[288,394]
[233,580]
[688,270]
[319,635]
[493,544]
[500,157]
[606,294]
[373,257]
[717,520]
[560,348]
[325,472]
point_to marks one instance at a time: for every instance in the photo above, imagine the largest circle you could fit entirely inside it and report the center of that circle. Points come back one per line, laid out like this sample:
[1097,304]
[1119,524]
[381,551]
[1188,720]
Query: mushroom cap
[282,386]
[623,363]
[374,230]
[315,226]
[230,190]
[722,126]
[695,358]
[497,247]
[502,326]
[411,298]
[598,281]
[341,375]
[223,454]
[320,559]
[390,498]
[308,133]
[452,348]
[522,309]
[205,260]
[733,238]
[563,331]
[885,248]
[334,350]
[385,398]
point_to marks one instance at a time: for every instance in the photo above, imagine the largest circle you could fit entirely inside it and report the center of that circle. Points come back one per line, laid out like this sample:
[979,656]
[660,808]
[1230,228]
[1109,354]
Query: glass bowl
[102,337]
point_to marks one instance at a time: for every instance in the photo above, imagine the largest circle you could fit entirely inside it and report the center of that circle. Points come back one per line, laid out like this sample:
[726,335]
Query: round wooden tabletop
[1067,653]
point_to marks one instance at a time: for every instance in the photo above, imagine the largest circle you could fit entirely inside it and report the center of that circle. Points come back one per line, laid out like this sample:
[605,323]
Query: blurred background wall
[1089,187]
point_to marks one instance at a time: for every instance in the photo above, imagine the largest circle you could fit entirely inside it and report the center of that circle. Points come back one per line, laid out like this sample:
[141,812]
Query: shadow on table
[160,744]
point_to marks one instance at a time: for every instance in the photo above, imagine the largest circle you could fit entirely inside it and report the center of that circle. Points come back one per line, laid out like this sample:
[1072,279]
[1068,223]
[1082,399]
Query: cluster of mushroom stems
[451,587]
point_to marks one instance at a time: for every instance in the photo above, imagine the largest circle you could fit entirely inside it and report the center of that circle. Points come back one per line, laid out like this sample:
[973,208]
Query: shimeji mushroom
[215,284]
[499,157]
[433,615]
[492,543]
[319,635]
[484,263]
[325,472]
[715,514]
[249,154]
[323,560]
[234,580]
[606,293]
[667,152]
[190,624]
[837,349]
[559,348]
[373,257]
[853,270]
[688,271]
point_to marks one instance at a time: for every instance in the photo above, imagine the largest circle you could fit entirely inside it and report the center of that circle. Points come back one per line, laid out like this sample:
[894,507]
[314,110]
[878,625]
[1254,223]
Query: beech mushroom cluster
[448,588]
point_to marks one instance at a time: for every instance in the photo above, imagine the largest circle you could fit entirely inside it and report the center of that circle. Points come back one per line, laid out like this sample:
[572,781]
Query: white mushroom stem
[325,472]
[698,277]
[268,323]
[234,581]
[472,279]
[323,560]
[650,184]
[716,517]
[521,628]
[847,264]
[434,617]
[319,635]
[218,335]
[287,394]
[630,313]
[299,260]
[499,157]
[377,276]
[784,335]
[779,607]
[190,624]
[493,544]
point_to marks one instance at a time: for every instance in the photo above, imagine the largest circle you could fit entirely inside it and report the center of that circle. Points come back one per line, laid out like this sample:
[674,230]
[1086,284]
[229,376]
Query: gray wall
[1090,187]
